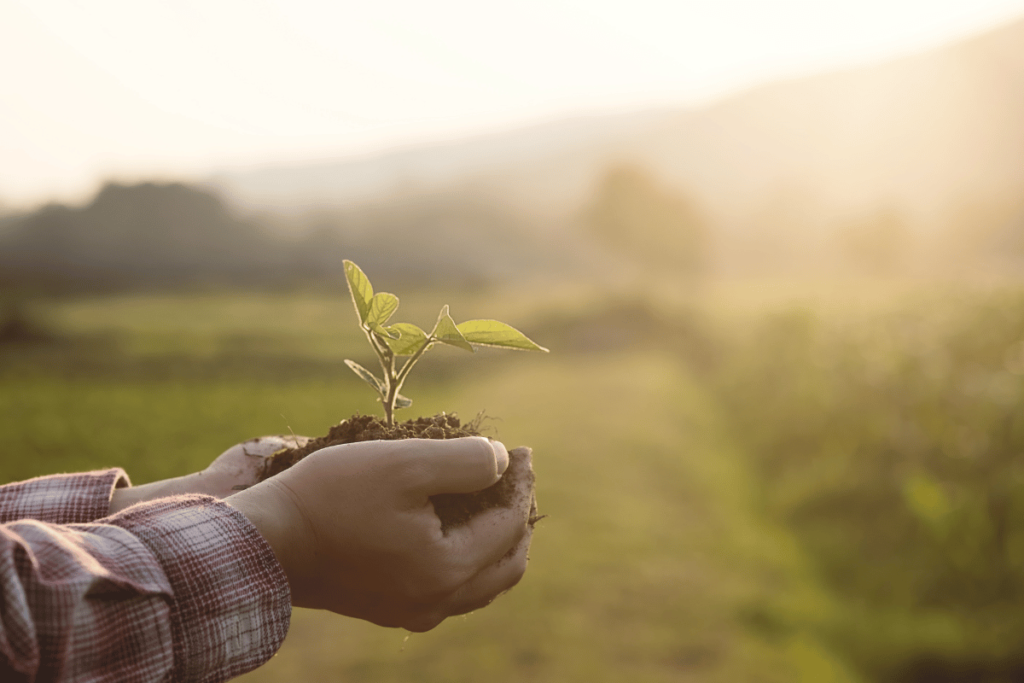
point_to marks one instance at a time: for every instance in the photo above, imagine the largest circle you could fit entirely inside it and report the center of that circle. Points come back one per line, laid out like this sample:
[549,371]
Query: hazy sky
[133,89]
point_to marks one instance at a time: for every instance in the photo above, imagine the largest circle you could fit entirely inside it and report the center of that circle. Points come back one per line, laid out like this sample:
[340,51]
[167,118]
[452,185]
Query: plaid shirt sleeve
[176,589]
[61,498]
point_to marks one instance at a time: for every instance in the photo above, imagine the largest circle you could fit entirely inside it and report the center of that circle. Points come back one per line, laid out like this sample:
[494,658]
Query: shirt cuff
[62,498]
[232,604]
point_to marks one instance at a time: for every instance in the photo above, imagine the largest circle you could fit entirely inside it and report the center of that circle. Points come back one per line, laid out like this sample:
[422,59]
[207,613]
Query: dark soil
[453,509]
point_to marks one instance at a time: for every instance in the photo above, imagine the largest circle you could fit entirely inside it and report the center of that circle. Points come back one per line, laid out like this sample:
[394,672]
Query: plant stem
[395,381]
[404,372]
[386,358]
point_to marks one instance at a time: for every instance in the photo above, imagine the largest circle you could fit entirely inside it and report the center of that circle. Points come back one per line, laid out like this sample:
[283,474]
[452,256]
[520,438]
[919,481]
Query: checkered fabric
[61,498]
[176,589]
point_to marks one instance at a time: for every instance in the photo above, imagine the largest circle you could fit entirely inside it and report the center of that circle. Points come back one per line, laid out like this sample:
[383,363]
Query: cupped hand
[236,468]
[239,467]
[356,533]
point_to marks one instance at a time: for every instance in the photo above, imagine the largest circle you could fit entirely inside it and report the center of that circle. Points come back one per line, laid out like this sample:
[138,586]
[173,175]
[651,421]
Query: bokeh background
[776,250]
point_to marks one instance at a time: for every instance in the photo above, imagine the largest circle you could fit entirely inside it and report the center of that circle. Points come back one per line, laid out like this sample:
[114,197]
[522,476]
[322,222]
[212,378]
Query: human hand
[355,531]
[236,468]
[240,466]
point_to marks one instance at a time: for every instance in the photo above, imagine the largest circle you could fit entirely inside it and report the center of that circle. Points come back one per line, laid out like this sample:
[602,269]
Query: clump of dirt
[453,509]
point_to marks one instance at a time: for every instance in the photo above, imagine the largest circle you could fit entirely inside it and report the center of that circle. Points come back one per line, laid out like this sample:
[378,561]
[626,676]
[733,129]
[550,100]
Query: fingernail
[500,455]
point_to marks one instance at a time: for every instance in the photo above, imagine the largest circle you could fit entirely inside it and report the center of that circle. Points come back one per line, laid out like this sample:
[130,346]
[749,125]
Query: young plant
[390,342]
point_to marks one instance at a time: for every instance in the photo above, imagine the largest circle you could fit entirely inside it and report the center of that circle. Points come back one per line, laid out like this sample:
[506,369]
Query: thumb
[452,465]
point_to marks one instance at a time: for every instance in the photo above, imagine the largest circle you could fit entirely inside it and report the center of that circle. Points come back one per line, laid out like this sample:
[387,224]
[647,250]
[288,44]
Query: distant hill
[927,133]
[132,235]
[500,164]
[878,169]
[924,132]
[153,235]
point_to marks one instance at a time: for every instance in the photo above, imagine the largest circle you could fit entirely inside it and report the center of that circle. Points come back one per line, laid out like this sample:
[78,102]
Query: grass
[652,566]
[782,487]
[647,569]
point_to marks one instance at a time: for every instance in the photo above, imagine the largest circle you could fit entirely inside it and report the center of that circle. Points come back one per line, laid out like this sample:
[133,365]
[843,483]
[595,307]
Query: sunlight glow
[142,88]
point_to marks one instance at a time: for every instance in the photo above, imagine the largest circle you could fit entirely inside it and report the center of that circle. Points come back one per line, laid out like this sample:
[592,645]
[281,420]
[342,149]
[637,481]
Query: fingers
[366,541]
[261,447]
[487,537]
[479,591]
[496,579]
[451,466]
[419,468]
[240,466]
[482,558]
[268,445]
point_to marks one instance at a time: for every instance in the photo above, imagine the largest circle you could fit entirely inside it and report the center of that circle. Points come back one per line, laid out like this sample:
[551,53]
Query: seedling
[405,340]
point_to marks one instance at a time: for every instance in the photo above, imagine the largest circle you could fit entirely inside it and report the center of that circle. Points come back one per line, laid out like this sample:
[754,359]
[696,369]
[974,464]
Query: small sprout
[408,341]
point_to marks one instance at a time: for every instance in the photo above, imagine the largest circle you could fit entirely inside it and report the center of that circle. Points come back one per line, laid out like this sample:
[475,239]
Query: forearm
[236,468]
[88,496]
[197,482]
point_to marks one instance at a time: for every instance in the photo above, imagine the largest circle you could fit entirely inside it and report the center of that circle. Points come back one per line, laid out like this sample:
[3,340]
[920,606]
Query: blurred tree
[631,214]
[145,234]
[170,235]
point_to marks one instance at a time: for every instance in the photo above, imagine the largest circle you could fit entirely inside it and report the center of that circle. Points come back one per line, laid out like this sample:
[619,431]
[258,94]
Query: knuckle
[460,572]
[421,623]
[436,588]
[518,573]
[480,472]
[441,575]
[409,468]
[516,567]
[387,622]
[524,455]
[476,457]
[407,473]
[478,604]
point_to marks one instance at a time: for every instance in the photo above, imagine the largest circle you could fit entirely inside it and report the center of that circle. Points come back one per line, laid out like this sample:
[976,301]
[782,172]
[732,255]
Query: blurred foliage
[166,236]
[138,235]
[653,564]
[636,218]
[891,446]
[169,236]
[740,487]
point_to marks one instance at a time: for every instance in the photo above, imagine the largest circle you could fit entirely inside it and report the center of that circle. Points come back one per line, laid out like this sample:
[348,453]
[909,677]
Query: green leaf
[494,333]
[367,376]
[410,340]
[402,401]
[360,288]
[446,332]
[382,306]
[384,333]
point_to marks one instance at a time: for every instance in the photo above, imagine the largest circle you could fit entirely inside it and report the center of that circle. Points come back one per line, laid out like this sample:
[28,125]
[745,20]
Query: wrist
[216,484]
[128,496]
[269,507]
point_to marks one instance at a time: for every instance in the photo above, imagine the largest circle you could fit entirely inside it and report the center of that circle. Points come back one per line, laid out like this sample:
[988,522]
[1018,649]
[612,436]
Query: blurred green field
[745,485]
